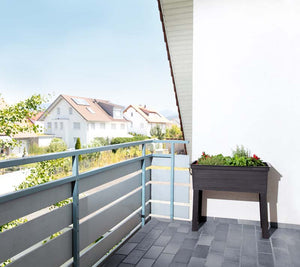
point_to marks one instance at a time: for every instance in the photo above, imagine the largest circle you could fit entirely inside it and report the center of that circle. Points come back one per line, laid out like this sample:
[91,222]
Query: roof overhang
[177,23]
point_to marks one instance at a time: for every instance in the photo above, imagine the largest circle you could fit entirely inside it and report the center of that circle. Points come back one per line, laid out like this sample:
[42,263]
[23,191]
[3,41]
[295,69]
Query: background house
[142,120]
[70,117]
[235,67]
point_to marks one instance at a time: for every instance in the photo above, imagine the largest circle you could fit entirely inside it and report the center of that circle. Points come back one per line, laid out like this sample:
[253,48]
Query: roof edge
[171,68]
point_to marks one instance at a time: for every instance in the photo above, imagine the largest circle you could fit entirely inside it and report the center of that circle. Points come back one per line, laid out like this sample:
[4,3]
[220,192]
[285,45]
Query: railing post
[143,183]
[172,182]
[75,214]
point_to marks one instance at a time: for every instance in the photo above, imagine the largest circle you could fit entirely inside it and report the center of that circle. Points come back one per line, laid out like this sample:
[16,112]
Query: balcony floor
[219,242]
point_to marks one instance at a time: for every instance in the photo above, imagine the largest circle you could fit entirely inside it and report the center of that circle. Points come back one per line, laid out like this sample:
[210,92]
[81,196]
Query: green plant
[174,132]
[238,159]
[78,146]
[156,132]
[57,145]
[240,151]
[14,120]
[35,149]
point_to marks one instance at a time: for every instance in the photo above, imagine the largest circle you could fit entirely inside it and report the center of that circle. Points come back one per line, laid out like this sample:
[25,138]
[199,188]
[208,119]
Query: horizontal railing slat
[109,175]
[23,206]
[103,197]
[97,251]
[53,253]
[181,212]
[18,239]
[100,223]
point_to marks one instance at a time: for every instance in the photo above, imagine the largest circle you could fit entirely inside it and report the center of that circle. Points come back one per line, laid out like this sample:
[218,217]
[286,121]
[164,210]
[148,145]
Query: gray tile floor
[219,242]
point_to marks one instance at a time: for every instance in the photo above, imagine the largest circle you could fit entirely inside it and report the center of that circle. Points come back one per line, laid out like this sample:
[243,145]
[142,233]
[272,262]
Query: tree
[14,119]
[157,132]
[78,146]
[174,132]
[57,145]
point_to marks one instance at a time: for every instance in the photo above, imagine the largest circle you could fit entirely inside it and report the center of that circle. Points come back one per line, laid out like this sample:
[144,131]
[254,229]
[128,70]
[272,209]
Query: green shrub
[120,140]
[57,145]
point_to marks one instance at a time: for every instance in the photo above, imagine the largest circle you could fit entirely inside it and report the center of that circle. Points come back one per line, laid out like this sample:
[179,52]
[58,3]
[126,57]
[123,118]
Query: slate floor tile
[183,255]
[145,244]
[145,263]
[172,248]
[205,240]
[232,254]
[137,238]
[248,261]
[196,262]
[126,248]
[153,252]
[214,260]
[189,243]
[134,256]
[217,246]
[228,263]
[264,247]
[265,260]
[164,260]
[162,241]
[278,243]
[114,260]
[201,251]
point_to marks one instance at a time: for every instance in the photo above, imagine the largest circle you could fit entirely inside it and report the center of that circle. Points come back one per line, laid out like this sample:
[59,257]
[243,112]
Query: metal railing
[78,229]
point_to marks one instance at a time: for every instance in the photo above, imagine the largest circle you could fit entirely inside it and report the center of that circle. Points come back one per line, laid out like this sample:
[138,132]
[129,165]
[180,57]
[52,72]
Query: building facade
[75,117]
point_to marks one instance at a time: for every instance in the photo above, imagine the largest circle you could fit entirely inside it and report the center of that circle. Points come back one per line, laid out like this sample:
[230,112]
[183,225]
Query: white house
[235,68]
[70,117]
[142,120]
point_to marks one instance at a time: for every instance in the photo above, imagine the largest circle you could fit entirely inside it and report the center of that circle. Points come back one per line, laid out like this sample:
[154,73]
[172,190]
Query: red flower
[255,157]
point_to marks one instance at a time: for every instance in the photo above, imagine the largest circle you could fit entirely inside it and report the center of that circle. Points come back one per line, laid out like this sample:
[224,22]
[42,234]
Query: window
[70,111]
[142,125]
[61,125]
[131,114]
[92,126]
[131,124]
[55,125]
[102,125]
[49,125]
[122,126]
[76,125]
[113,126]
[58,111]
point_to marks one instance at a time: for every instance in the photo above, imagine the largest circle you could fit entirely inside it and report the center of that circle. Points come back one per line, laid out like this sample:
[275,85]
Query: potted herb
[239,173]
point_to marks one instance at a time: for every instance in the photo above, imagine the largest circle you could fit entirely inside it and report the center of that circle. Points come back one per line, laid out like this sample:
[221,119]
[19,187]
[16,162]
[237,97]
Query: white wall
[108,131]
[137,121]
[246,91]
[68,133]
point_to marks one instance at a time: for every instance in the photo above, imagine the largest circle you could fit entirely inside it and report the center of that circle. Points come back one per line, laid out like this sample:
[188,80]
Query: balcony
[106,205]
[133,213]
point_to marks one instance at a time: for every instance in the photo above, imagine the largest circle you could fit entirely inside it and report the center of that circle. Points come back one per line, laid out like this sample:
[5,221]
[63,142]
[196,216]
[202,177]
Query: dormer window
[91,110]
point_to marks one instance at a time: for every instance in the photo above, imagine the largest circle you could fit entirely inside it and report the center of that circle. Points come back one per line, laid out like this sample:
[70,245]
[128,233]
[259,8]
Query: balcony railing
[107,205]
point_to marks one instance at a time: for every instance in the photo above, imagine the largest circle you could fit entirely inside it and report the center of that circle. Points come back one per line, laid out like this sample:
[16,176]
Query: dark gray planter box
[230,178]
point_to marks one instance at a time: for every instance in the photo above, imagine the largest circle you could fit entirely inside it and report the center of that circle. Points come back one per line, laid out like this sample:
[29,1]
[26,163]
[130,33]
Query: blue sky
[110,50]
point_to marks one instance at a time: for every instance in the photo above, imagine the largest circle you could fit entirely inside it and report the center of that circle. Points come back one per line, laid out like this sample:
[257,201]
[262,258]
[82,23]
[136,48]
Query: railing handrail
[71,178]
[57,155]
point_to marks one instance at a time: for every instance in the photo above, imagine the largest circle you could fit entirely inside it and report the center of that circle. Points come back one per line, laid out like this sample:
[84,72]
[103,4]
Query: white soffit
[178,22]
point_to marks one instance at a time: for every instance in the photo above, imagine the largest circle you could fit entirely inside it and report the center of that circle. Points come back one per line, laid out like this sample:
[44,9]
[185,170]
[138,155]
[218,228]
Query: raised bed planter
[230,178]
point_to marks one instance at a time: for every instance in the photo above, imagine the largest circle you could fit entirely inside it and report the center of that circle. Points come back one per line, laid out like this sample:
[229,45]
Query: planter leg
[196,216]
[263,205]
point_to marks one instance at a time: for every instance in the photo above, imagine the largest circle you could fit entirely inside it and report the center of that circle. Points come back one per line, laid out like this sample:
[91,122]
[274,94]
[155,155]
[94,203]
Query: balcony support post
[75,213]
[172,181]
[143,183]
